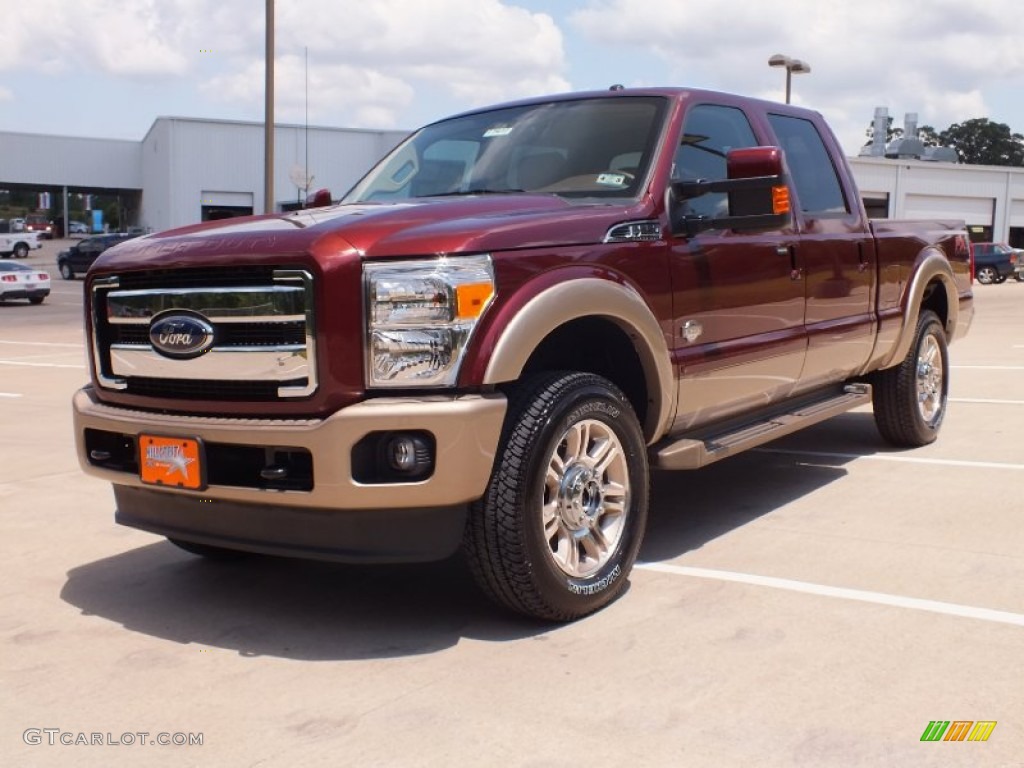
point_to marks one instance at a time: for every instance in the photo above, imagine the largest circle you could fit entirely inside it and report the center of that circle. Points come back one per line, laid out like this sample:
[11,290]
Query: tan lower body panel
[466,429]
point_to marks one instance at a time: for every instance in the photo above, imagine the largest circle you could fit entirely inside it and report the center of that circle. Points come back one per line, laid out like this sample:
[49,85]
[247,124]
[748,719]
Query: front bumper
[333,517]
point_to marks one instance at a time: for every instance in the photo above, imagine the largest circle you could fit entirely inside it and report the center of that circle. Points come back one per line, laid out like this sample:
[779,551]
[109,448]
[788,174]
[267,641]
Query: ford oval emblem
[180,335]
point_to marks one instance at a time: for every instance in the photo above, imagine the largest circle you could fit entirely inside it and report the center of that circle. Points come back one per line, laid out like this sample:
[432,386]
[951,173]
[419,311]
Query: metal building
[187,170]
[989,198]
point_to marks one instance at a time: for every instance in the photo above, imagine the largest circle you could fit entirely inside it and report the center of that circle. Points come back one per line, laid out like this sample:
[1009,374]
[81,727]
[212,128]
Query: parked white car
[18,244]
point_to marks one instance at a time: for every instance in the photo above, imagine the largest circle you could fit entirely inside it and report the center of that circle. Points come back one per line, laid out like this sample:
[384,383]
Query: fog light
[408,454]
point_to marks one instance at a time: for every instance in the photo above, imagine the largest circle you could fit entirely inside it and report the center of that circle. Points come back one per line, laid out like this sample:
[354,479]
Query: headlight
[420,316]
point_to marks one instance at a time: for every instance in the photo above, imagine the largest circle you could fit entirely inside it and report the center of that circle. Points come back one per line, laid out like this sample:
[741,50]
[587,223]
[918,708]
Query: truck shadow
[689,509]
[262,606]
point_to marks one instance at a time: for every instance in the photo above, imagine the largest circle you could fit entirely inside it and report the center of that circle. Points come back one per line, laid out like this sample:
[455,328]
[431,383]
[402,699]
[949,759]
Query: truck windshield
[587,148]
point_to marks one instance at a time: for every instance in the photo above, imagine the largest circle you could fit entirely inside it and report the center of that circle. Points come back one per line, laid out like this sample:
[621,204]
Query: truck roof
[676,93]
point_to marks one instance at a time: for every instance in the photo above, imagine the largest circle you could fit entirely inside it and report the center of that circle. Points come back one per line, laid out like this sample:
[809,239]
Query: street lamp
[793,66]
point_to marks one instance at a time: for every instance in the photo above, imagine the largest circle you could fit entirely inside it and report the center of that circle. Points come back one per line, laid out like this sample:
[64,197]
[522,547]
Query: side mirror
[756,188]
[319,199]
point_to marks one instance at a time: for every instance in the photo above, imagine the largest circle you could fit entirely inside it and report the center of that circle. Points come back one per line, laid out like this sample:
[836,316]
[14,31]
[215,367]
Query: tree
[982,142]
[891,134]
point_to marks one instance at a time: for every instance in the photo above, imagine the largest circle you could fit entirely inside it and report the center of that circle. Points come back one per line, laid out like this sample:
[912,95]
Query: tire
[36,299]
[20,251]
[986,275]
[563,517]
[910,399]
[208,551]
[66,271]
[1000,280]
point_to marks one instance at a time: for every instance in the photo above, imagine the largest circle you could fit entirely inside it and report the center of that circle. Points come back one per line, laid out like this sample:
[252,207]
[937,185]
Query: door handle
[795,272]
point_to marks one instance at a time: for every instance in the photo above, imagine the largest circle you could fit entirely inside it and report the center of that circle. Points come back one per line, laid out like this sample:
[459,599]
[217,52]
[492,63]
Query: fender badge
[692,330]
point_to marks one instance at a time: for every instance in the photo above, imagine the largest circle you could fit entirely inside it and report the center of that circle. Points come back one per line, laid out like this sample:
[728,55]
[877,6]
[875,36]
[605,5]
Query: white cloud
[338,94]
[368,57]
[932,58]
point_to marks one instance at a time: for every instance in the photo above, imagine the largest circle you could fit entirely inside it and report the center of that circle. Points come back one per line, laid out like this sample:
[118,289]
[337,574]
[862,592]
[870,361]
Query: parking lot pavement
[819,602]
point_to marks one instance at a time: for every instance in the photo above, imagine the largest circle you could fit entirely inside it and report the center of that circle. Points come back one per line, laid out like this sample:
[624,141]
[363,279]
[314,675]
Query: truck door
[738,297]
[835,251]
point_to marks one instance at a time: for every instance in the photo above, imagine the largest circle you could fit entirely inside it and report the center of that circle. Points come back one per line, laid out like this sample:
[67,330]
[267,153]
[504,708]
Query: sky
[108,68]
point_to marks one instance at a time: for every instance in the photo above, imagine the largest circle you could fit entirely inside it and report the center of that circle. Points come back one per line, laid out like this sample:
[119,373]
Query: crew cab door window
[709,132]
[814,175]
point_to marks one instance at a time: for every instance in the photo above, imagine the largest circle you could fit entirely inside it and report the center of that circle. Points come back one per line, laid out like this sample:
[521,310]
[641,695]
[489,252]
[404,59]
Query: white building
[989,198]
[187,170]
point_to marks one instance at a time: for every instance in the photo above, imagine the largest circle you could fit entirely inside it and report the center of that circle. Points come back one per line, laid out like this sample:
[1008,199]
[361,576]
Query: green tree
[891,134]
[983,142]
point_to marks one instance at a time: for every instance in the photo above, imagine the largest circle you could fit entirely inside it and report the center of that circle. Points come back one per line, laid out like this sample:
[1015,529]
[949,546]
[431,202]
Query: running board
[706,446]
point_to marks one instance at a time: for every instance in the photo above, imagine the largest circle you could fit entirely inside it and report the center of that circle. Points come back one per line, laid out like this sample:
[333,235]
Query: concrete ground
[816,603]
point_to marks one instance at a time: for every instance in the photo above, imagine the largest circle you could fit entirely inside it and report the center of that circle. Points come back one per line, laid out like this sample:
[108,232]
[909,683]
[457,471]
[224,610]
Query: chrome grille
[263,334]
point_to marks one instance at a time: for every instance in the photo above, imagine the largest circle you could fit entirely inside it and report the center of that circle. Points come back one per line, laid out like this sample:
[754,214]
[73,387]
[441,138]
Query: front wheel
[20,251]
[910,399]
[66,271]
[558,530]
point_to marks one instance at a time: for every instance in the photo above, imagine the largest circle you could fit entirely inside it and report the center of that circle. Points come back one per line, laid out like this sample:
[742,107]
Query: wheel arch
[932,286]
[594,325]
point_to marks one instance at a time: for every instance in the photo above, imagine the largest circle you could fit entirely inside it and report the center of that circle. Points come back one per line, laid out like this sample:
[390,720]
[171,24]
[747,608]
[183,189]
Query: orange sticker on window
[172,461]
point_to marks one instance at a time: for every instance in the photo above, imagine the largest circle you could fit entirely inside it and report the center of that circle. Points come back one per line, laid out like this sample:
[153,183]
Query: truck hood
[418,227]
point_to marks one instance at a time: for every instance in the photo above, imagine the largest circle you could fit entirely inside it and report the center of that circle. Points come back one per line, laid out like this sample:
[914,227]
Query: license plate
[30,286]
[171,461]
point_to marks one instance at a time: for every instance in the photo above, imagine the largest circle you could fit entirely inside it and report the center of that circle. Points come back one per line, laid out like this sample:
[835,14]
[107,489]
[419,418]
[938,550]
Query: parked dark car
[77,259]
[993,262]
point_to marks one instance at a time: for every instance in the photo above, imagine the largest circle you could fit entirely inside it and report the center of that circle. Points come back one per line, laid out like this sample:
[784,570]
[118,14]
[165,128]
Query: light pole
[793,66]
[268,114]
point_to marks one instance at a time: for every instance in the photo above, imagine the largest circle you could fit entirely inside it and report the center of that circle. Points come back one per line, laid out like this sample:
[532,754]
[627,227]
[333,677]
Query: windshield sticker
[498,130]
[612,179]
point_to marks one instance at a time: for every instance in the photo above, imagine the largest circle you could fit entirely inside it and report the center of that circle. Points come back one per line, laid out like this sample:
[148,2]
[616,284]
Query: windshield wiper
[477,191]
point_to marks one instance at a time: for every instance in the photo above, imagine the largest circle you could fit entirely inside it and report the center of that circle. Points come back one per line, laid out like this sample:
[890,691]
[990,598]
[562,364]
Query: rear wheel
[564,514]
[20,251]
[36,299]
[910,399]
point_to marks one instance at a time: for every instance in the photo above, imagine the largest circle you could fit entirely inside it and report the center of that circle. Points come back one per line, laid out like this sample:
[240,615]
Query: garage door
[973,210]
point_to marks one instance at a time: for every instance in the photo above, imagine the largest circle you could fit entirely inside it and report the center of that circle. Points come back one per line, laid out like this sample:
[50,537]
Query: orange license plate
[172,461]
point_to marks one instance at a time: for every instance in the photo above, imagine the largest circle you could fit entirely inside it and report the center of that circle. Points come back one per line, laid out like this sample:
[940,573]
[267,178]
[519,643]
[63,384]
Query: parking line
[985,401]
[987,367]
[42,344]
[879,598]
[9,394]
[896,459]
[40,365]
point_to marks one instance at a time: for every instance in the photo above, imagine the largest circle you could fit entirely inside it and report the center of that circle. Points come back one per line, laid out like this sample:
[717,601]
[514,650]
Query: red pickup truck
[499,332]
